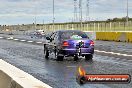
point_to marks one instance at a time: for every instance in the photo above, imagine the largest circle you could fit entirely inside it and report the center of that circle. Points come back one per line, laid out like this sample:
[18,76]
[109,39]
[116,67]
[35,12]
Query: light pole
[75,10]
[35,18]
[53,14]
[87,13]
[127,14]
[35,21]
[43,24]
[80,12]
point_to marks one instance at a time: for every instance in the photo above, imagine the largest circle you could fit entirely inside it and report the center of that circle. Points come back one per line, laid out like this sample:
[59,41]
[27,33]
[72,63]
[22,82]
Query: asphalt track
[27,54]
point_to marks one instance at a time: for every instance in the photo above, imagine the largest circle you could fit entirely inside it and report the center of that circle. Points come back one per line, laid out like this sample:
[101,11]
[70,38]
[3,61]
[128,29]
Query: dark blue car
[69,43]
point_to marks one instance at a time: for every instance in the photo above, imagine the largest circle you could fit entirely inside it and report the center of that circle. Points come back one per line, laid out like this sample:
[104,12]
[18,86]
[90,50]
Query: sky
[24,11]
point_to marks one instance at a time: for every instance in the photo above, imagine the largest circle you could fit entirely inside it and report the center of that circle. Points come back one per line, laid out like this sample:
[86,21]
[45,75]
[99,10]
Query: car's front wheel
[88,57]
[46,54]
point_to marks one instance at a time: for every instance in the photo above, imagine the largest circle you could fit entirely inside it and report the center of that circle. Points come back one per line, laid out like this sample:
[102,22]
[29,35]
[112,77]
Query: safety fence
[86,26]
[114,36]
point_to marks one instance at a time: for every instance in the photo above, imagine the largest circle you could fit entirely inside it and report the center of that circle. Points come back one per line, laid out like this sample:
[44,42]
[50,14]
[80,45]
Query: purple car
[69,43]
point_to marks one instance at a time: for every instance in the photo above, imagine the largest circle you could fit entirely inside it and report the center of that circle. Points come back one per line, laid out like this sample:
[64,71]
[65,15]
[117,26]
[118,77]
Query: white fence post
[110,25]
[98,26]
[94,26]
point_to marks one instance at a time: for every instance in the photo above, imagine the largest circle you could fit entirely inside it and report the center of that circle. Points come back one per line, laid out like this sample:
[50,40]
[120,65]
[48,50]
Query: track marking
[71,66]
[22,40]
[130,60]
[8,38]
[119,54]
[1,37]
[16,39]
[39,42]
[29,41]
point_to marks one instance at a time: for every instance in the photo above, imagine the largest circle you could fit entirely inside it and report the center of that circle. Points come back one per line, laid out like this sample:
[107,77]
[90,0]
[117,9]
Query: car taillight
[65,43]
[91,43]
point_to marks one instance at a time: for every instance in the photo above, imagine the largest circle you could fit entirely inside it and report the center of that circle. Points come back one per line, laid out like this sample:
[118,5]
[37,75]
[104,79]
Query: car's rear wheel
[60,58]
[75,58]
[88,57]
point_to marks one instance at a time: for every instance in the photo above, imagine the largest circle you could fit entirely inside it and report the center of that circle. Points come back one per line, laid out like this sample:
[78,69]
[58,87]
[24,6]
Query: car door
[56,41]
[52,42]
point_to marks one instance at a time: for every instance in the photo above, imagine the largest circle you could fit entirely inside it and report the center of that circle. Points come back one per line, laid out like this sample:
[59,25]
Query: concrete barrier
[12,77]
[129,37]
[114,36]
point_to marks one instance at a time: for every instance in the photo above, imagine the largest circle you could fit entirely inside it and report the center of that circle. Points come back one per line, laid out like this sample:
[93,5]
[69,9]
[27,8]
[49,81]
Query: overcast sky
[24,11]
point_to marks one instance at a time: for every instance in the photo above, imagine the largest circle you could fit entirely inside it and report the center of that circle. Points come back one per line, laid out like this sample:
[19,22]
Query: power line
[53,14]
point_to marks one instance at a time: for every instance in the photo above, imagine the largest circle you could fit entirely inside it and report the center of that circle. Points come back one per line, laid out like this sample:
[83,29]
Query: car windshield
[73,35]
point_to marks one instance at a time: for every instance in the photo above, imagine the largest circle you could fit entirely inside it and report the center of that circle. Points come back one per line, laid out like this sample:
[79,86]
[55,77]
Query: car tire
[75,58]
[46,54]
[60,58]
[88,57]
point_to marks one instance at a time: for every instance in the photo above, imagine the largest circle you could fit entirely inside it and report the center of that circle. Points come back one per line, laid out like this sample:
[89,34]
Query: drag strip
[30,58]
[39,42]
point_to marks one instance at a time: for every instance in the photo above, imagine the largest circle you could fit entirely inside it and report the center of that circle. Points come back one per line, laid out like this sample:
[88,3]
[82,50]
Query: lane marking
[29,41]
[71,66]
[8,38]
[130,60]
[22,40]
[16,39]
[1,37]
[119,54]
[74,66]
[39,42]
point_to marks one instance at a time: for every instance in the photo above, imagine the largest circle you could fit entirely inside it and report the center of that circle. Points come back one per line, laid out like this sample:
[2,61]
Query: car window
[48,34]
[53,35]
[73,35]
[56,36]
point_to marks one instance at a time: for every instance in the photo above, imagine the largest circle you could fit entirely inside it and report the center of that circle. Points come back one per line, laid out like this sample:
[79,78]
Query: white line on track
[8,38]
[16,39]
[71,66]
[130,60]
[29,41]
[119,54]
[39,42]
[22,40]
[1,37]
